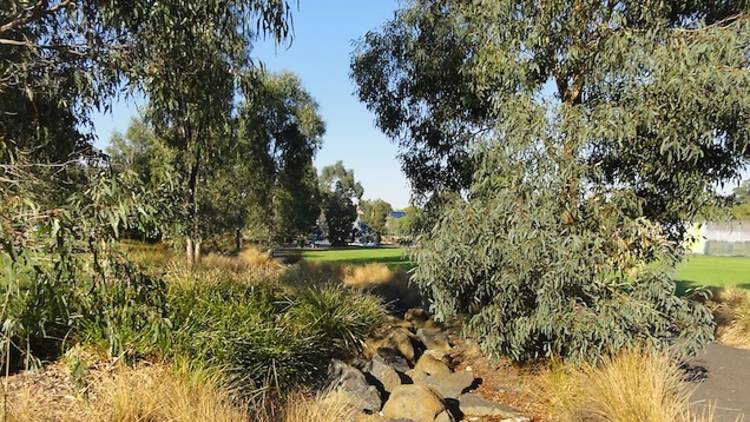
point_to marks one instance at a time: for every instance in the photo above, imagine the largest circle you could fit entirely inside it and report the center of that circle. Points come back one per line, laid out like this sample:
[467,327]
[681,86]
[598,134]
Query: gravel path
[723,379]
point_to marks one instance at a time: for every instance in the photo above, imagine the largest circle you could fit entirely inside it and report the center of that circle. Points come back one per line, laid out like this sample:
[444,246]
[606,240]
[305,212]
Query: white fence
[730,238]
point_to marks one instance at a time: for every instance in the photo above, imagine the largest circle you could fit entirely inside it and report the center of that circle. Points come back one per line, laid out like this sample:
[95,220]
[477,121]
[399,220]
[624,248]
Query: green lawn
[714,271]
[696,271]
[395,257]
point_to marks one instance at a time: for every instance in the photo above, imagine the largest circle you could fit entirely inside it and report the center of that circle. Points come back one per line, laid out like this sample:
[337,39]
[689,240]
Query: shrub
[265,336]
[537,276]
[340,317]
[48,307]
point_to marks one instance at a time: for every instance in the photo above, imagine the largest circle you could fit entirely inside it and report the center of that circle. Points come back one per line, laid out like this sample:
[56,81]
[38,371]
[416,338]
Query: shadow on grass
[686,286]
[391,261]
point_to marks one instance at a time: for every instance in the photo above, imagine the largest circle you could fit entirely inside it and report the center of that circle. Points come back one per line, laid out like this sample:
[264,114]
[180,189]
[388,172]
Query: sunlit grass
[393,257]
[714,271]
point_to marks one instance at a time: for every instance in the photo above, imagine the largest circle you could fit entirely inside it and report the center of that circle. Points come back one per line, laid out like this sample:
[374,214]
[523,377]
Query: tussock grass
[250,259]
[156,393]
[635,386]
[305,407]
[731,307]
[370,275]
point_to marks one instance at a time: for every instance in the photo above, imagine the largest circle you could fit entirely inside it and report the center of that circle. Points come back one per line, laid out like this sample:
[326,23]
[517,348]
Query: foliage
[443,73]
[264,336]
[407,225]
[340,191]
[60,206]
[410,75]
[261,179]
[589,161]
[340,214]
[62,279]
[376,213]
[534,286]
[741,201]
[280,132]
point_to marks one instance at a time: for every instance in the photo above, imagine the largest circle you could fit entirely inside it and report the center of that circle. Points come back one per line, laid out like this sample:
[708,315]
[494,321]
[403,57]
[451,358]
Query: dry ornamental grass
[635,386]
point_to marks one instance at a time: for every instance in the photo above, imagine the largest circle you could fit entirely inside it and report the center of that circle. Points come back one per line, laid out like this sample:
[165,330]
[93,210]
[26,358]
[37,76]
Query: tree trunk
[238,239]
[193,201]
[570,95]
[197,251]
[189,250]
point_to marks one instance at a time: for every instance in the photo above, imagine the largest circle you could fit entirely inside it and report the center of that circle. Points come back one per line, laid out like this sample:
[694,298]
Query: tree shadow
[686,287]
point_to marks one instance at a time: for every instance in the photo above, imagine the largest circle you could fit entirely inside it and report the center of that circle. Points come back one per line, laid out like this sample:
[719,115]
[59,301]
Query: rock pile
[408,377]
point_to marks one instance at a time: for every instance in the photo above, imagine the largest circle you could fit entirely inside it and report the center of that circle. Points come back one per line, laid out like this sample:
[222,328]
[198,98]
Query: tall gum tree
[658,89]
[593,133]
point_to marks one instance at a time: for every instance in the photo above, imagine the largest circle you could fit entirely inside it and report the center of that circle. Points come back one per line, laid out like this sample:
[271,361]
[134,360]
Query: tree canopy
[259,184]
[341,194]
[443,74]
[591,133]
[375,214]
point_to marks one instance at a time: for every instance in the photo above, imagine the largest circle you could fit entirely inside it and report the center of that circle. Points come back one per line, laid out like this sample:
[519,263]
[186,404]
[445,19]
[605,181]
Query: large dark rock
[383,373]
[392,358]
[352,383]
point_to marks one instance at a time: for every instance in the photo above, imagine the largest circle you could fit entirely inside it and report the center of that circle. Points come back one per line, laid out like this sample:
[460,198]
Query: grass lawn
[714,271]
[393,257]
[696,271]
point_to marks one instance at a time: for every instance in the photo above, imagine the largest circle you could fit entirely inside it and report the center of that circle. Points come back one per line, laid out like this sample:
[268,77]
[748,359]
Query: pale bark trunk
[197,252]
[189,250]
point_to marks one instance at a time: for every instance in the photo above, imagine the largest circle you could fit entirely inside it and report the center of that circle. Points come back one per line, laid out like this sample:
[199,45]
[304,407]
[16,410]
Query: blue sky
[320,55]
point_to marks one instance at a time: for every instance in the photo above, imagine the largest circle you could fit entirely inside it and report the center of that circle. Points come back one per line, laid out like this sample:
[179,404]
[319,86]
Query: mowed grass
[392,257]
[714,271]
[695,271]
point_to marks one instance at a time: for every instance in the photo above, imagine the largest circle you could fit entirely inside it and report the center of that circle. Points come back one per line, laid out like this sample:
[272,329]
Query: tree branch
[32,13]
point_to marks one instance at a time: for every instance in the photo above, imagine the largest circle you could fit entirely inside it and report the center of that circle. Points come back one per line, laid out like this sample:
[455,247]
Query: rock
[402,340]
[448,385]
[352,383]
[416,315]
[474,405]
[431,365]
[444,416]
[383,373]
[419,318]
[415,402]
[434,339]
[416,375]
[392,358]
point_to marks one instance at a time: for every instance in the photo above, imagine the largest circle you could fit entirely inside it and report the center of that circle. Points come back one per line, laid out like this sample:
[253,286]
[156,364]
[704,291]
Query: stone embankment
[408,376]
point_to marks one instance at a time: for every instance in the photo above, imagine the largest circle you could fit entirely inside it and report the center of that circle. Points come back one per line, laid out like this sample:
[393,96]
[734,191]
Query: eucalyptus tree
[602,129]
[59,61]
[341,195]
[440,75]
[375,214]
[280,131]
